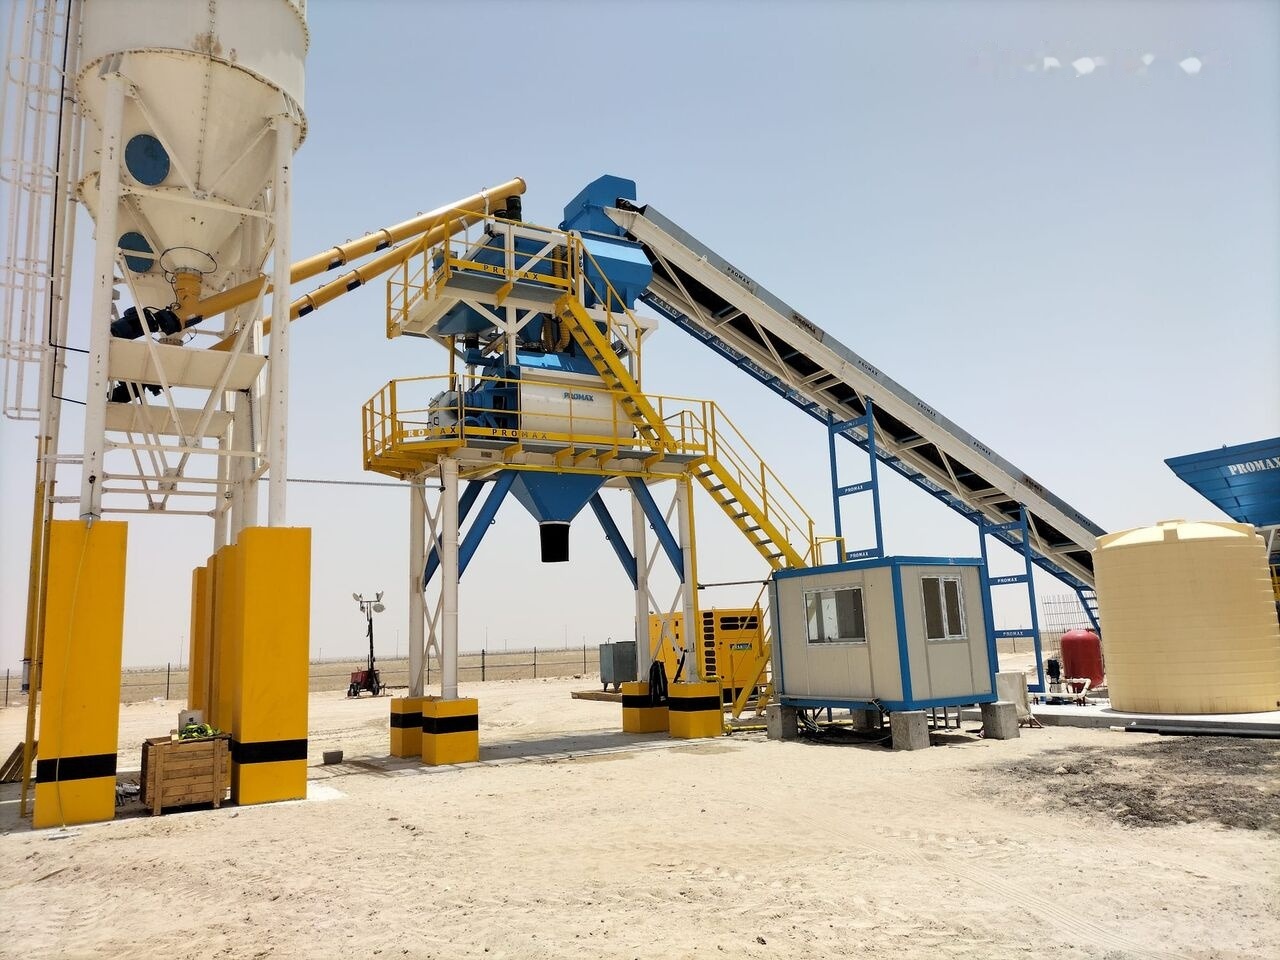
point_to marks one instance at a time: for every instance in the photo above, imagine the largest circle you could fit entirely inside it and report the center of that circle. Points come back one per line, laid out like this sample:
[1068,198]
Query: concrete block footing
[782,722]
[866,719]
[910,730]
[1000,720]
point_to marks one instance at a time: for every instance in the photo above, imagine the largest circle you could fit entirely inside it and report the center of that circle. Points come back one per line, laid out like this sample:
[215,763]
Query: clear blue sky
[1081,270]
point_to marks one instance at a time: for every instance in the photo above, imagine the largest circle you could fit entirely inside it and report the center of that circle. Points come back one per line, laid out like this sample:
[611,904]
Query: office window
[835,616]
[943,608]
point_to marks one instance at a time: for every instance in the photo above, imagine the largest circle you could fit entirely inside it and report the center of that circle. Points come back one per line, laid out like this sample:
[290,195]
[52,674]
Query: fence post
[6,688]
[168,670]
[535,663]
[482,664]
[584,658]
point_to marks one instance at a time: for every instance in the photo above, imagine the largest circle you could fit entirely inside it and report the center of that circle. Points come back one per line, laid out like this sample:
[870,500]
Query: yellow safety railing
[422,276]
[776,501]
[412,420]
[410,416]
[558,265]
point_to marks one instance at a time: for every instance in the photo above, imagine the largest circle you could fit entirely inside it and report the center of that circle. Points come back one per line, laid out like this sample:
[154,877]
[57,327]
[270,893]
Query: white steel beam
[639,547]
[104,268]
[417,565]
[689,588]
[278,400]
[449,579]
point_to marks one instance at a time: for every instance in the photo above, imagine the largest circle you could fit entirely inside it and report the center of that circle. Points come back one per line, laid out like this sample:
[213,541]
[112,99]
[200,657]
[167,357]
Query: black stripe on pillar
[406,720]
[55,769]
[639,701]
[268,751]
[439,725]
[693,704]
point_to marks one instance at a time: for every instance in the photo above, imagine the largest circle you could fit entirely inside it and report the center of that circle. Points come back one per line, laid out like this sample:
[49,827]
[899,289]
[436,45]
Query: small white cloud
[1084,66]
[1051,63]
[1191,65]
[1148,59]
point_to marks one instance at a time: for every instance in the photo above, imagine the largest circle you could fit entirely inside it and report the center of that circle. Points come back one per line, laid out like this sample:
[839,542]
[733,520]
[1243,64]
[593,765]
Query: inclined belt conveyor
[728,311]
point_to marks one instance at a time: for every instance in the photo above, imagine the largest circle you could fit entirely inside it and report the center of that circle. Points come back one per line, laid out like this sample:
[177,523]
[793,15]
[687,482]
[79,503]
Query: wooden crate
[180,772]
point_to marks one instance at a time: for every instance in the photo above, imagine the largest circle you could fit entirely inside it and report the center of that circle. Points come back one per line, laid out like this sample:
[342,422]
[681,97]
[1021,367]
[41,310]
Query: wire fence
[1060,613]
[171,681]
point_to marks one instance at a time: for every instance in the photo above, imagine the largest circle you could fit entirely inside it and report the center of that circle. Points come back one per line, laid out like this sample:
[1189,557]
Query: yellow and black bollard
[269,586]
[406,726]
[639,715]
[450,731]
[695,710]
[80,688]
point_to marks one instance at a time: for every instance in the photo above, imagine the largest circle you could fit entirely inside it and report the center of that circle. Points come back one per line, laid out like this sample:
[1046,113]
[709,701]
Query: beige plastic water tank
[1188,619]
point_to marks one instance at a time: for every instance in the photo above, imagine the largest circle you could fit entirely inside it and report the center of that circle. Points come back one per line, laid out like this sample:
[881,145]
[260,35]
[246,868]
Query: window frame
[833,590]
[948,636]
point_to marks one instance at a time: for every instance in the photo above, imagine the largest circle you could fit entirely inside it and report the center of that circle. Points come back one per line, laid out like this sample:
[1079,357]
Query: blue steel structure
[729,312]
[977,484]
[618,266]
[1033,633]
[867,423]
[908,701]
[1242,481]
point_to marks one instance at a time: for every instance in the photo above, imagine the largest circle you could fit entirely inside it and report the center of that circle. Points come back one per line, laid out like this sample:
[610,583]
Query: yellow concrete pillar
[198,644]
[450,731]
[269,703]
[80,695]
[406,726]
[638,715]
[695,710]
[228,628]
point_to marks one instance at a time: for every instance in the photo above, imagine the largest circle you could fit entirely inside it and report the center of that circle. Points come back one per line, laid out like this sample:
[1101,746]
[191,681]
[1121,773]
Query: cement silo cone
[1188,619]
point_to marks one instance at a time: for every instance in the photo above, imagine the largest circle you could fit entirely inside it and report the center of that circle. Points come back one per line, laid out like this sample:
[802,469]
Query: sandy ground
[571,840]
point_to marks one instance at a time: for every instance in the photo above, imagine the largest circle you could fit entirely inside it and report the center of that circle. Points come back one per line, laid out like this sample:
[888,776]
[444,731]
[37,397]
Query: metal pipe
[449,579]
[317,298]
[278,401]
[337,256]
[370,243]
[104,266]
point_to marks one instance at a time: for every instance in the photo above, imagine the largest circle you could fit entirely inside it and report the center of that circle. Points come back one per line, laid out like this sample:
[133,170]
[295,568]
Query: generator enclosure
[899,633]
[731,643]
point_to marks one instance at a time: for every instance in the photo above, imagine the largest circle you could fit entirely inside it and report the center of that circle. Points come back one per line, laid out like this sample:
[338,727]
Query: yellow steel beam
[755,673]
[358,277]
[343,253]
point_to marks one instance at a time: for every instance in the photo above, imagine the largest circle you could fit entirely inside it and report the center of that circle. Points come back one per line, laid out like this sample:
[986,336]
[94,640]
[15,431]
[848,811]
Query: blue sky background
[1081,270]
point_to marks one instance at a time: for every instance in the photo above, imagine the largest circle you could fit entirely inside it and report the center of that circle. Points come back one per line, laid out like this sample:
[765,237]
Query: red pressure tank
[1082,656]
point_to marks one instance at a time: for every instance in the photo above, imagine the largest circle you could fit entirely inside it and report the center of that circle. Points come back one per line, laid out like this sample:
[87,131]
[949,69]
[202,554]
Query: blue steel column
[875,478]
[1031,593]
[838,492]
[835,487]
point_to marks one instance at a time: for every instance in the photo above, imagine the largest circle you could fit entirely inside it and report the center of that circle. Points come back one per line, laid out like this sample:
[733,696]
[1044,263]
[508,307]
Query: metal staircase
[598,348]
[1089,600]
[748,516]
[738,483]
